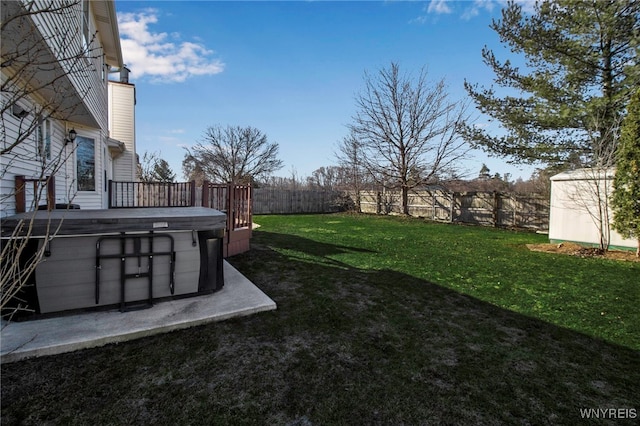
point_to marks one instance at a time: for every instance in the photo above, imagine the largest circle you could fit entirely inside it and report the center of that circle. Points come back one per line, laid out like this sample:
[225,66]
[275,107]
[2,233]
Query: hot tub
[122,257]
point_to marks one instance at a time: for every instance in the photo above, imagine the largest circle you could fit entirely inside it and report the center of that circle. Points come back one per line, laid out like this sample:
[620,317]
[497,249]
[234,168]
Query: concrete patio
[50,336]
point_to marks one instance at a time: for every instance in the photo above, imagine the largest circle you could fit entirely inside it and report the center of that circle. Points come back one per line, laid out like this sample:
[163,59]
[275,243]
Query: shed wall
[573,210]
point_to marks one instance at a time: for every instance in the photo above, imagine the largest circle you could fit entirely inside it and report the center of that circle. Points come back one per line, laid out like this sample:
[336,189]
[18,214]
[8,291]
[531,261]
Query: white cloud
[438,6]
[476,7]
[162,56]
[473,8]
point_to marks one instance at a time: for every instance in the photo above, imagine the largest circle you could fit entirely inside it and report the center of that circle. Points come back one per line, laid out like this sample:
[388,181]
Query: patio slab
[51,336]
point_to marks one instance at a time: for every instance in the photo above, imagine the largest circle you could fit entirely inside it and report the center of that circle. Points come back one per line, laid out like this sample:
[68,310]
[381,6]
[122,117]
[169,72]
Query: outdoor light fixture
[72,136]
[19,112]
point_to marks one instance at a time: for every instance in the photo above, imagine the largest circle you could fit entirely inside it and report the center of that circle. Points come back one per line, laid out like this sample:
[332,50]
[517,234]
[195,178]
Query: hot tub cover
[73,222]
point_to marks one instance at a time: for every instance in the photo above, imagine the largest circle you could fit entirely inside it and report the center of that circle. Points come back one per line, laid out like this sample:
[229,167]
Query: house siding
[88,76]
[122,128]
[25,161]
[62,33]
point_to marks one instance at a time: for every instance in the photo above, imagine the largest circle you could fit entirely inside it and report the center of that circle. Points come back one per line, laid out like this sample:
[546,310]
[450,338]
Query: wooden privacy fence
[481,208]
[289,201]
[240,202]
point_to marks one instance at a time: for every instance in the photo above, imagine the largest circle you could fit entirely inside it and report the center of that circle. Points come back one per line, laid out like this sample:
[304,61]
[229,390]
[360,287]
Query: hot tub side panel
[66,279]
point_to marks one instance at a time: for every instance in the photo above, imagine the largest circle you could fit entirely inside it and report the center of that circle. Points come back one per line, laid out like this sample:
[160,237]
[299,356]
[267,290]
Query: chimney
[124,74]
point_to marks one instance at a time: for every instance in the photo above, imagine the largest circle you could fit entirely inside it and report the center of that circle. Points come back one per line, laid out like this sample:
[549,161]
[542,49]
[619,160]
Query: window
[43,135]
[86,164]
[103,68]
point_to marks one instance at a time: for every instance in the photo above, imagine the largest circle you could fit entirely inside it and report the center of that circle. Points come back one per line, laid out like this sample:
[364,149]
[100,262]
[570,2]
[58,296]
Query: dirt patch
[574,249]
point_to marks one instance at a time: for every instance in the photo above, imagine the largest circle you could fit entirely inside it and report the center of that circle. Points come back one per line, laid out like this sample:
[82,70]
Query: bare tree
[593,192]
[233,154]
[408,129]
[350,155]
[153,168]
[324,178]
[35,87]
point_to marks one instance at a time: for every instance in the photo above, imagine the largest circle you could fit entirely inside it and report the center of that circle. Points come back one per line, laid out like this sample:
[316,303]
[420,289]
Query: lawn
[380,320]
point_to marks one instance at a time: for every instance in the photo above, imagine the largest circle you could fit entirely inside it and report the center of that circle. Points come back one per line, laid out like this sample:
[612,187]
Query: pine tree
[626,183]
[581,64]
[162,172]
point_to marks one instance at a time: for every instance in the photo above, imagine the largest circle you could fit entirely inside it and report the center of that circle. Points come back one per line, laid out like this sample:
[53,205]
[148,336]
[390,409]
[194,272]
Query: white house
[580,210]
[61,117]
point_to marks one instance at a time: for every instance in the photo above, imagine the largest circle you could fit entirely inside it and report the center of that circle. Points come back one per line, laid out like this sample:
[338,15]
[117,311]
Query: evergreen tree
[162,172]
[581,66]
[153,168]
[626,183]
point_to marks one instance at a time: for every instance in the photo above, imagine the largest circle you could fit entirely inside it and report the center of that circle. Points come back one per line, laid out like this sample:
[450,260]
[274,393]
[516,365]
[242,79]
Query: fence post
[109,193]
[496,212]
[230,196]
[451,208]
[51,192]
[192,186]
[250,204]
[21,199]
[433,205]
[205,193]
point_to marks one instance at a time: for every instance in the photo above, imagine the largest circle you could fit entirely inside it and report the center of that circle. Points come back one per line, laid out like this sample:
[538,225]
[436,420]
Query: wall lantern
[19,112]
[72,137]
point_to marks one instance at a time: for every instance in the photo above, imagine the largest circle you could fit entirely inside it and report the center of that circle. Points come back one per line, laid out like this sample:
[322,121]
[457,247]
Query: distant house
[59,109]
[580,208]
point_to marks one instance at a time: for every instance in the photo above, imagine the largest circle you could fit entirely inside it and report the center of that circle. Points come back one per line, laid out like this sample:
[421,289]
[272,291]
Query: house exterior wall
[73,95]
[28,161]
[122,127]
[60,32]
[574,207]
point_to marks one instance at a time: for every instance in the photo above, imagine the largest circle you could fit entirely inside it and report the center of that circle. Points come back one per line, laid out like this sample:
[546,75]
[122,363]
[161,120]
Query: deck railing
[151,194]
[46,184]
[234,200]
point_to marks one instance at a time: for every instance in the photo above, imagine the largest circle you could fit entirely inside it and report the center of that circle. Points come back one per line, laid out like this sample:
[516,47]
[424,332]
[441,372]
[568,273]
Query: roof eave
[109,34]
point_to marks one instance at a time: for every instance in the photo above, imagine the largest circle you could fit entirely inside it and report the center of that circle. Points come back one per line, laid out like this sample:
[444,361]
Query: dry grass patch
[582,251]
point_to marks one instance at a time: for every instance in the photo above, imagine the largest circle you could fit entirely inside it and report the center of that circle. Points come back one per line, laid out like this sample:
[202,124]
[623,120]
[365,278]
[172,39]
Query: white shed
[579,204]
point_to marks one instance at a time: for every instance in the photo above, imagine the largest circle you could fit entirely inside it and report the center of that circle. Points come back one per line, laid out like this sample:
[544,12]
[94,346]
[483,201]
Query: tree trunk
[405,200]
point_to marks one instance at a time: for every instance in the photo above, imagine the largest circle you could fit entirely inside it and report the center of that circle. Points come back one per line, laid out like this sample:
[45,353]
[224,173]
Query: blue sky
[291,68]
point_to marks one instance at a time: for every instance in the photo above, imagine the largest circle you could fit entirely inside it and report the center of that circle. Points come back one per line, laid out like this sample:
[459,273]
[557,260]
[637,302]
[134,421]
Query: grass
[380,321]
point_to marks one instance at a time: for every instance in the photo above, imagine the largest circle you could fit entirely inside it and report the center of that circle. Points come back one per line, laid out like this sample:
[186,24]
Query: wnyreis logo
[608,413]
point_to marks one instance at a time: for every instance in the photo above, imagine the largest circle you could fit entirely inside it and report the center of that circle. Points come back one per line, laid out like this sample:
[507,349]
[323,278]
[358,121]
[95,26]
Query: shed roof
[585,174]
